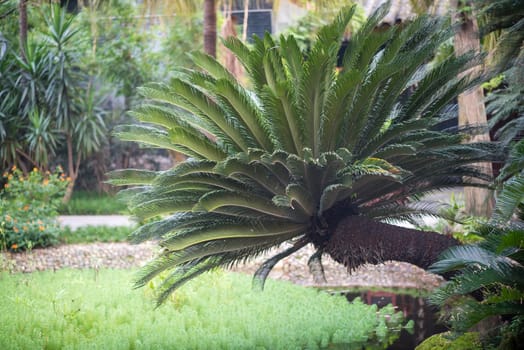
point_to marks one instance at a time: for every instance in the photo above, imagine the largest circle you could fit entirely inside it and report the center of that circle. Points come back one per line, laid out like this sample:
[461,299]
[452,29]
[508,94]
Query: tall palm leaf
[304,146]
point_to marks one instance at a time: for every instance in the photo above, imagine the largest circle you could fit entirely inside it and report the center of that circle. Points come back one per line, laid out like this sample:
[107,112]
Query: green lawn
[93,203]
[90,234]
[87,309]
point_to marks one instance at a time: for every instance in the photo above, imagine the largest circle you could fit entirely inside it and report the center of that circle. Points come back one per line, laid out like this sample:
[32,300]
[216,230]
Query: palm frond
[260,276]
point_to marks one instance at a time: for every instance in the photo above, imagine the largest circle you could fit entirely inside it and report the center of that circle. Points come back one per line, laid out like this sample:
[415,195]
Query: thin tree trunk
[210,27]
[358,240]
[244,24]
[72,169]
[22,8]
[479,201]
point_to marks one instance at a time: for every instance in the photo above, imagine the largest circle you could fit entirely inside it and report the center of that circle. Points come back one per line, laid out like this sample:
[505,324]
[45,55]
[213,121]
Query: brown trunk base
[358,240]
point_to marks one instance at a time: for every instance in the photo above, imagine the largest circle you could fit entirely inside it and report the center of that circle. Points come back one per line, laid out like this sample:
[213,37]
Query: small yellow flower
[6,186]
[35,170]
[41,228]
[45,182]
[16,229]
[13,168]
[25,228]
[14,246]
[26,207]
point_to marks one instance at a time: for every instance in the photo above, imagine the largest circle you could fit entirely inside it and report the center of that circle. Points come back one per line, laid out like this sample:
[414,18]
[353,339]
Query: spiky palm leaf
[494,268]
[281,161]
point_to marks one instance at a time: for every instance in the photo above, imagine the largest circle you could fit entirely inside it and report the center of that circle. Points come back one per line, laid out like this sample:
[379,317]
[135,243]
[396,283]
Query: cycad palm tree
[307,154]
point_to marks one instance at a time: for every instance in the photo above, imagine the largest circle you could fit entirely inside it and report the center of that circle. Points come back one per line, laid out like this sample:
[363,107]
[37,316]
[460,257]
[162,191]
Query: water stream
[413,305]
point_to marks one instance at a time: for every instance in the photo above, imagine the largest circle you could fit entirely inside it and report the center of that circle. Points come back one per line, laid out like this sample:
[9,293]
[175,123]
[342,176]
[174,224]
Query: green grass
[90,234]
[93,203]
[87,309]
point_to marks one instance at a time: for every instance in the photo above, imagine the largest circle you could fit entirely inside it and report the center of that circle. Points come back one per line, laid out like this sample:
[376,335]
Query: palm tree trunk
[358,240]
[479,201]
[210,27]
[22,8]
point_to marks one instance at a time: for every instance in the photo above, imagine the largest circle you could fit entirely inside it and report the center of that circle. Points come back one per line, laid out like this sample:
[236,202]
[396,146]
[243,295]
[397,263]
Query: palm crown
[305,144]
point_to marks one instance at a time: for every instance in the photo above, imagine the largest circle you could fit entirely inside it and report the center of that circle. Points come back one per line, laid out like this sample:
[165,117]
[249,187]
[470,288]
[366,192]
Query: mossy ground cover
[88,309]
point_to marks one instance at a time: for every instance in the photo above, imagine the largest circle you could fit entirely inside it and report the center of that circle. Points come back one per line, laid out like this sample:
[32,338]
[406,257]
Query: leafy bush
[88,309]
[28,208]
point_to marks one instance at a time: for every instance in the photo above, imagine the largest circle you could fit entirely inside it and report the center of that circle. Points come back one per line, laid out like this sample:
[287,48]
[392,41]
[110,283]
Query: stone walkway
[293,268]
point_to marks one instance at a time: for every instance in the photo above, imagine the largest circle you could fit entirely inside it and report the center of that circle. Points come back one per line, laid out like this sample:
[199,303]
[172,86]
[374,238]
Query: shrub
[28,208]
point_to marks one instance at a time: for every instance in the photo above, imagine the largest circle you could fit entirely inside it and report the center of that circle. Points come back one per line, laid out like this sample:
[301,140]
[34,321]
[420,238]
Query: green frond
[315,266]
[183,275]
[353,57]
[199,145]
[258,173]
[176,201]
[127,177]
[331,195]
[508,199]
[148,135]
[461,256]
[246,111]
[215,200]
[217,231]
[211,66]
[156,115]
[515,162]
[287,122]
[239,49]
[204,106]
[211,180]
[293,58]
[260,276]
[299,195]
[161,228]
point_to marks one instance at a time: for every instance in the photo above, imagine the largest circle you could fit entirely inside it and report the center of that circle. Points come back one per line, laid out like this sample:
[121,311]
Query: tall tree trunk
[210,27]
[358,240]
[479,201]
[22,8]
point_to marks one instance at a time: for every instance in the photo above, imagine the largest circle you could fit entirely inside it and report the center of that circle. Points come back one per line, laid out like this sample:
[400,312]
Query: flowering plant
[28,208]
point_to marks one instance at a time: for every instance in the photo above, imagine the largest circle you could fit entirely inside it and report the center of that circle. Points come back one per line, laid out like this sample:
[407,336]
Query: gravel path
[293,268]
